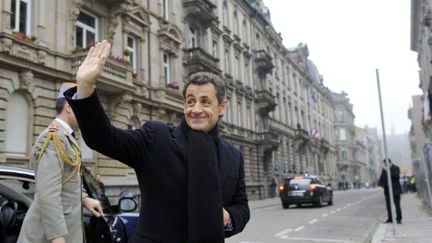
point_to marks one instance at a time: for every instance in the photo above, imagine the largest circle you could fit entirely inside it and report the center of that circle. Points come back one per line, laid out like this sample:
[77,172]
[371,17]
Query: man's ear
[222,107]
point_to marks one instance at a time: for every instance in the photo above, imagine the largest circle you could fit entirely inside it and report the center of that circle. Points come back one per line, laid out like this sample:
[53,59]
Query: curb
[374,231]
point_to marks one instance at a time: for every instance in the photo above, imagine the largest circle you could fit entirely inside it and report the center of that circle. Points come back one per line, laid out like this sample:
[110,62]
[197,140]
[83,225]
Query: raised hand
[91,69]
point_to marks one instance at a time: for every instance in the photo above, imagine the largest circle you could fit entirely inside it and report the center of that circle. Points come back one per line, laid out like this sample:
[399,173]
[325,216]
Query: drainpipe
[149,57]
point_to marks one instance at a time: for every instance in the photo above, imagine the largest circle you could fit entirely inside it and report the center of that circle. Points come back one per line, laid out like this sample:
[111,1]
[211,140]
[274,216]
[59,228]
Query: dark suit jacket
[156,151]
[395,175]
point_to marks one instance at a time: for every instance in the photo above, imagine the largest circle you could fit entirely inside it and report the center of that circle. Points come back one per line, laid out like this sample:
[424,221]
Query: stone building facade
[421,42]
[280,115]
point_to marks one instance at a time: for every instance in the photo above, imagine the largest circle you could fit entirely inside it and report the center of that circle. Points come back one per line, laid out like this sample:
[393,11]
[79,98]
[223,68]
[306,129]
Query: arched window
[17,125]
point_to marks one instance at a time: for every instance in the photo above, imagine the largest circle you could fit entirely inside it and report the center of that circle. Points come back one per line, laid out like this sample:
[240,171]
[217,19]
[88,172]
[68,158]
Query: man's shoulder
[230,147]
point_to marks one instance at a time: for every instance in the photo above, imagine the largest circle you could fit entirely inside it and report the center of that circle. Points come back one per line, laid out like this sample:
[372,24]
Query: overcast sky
[347,41]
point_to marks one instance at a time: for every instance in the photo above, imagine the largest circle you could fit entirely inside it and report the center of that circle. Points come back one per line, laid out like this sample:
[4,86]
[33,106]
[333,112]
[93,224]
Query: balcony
[265,101]
[324,146]
[197,59]
[263,62]
[115,78]
[269,139]
[200,12]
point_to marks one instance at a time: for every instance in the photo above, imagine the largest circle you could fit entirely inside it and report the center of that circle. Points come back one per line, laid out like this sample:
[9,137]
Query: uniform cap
[64,87]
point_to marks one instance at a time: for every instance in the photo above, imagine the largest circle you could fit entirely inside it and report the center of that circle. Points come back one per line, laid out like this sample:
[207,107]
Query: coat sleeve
[239,208]
[127,146]
[48,193]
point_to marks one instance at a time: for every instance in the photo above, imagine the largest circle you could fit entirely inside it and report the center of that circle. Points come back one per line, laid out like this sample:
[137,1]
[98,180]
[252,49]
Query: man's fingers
[102,46]
[96,49]
[106,50]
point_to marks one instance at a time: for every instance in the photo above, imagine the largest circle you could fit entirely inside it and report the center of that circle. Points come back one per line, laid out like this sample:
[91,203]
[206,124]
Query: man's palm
[92,67]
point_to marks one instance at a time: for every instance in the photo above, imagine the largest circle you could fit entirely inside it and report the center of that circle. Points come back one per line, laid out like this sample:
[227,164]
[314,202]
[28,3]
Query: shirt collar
[65,125]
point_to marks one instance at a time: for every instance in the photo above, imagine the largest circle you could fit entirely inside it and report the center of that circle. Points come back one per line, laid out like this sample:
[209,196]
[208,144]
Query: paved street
[353,218]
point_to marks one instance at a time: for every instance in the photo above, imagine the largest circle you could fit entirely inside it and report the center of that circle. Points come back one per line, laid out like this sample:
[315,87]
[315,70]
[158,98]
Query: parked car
[305,189]
[17,187]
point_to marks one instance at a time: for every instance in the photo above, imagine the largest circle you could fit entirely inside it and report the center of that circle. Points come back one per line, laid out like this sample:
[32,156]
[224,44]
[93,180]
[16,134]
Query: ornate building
[421,42]
[280,115]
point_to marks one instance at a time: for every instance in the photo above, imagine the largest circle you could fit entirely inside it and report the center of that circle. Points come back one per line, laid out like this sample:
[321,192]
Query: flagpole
[387,165]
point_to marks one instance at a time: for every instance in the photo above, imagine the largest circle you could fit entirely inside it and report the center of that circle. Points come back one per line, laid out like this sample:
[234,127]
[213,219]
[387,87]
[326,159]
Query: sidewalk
[416,224]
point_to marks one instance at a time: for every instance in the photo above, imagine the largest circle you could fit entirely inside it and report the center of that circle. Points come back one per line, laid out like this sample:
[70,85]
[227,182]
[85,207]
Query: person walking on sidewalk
[397,190]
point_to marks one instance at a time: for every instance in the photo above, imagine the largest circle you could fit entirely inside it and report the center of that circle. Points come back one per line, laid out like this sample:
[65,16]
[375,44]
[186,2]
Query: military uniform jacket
[56,208]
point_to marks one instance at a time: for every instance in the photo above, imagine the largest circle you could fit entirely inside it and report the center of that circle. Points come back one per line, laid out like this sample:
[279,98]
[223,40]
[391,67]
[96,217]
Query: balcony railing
[197,59]
[263,62]
[115,74]
[325,145]
[265,101]
[200,11]
[269,139]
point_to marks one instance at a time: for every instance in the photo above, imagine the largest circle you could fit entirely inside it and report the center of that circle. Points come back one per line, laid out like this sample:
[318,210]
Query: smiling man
[191,180]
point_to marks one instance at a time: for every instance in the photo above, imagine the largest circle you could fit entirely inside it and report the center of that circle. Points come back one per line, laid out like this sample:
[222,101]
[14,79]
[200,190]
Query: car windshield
[300,182]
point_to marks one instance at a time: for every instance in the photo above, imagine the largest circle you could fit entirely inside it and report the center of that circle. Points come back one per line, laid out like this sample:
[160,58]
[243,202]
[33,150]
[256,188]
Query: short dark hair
[201,78]
[389,160]
[60,103]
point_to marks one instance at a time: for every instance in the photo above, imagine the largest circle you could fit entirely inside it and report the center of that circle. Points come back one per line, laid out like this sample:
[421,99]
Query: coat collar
[64,130]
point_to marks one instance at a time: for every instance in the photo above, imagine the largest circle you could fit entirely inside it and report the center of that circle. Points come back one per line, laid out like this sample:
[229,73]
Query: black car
[17,187]
[305,189]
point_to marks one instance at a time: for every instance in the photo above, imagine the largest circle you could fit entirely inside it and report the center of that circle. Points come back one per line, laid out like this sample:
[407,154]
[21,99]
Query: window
[342,134]
[344,155]
[165,9]
[192,37]
[21,16]
[227,61]
[167,68]
[215,49]
[239,114]
[86,30]
[131,45]
[228,111]
[245,31]
[17,125]
[237,69]
[236,24]
[248,81]
[257,42]
[225,14]
[249,117]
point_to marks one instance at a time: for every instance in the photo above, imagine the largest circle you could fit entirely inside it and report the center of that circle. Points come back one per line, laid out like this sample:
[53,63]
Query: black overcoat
[395,176]
[156,152]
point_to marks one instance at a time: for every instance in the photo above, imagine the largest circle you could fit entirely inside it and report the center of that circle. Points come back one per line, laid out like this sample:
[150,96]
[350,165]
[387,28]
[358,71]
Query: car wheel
[330,202]
[320,201]
[285,205]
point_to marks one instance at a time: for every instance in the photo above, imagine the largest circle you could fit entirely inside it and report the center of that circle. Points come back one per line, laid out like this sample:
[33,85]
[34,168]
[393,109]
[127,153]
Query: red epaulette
[53,127]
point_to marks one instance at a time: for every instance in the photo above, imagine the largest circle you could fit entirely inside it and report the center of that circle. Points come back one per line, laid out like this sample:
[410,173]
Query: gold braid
[61,152]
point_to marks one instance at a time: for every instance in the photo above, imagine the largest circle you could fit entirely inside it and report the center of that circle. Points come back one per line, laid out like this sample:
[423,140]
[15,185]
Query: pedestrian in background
[55,215]
[191,180]
[396,188]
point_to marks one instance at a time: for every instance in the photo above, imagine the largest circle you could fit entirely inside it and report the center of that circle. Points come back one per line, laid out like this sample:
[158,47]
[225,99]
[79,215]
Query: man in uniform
[55,215]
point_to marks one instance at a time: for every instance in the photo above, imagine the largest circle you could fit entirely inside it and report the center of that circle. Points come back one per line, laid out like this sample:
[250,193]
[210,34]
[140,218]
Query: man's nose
[196,108]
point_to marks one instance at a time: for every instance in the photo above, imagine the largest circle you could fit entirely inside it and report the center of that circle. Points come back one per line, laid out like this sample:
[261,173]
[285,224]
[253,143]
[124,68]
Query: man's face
[201,107]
